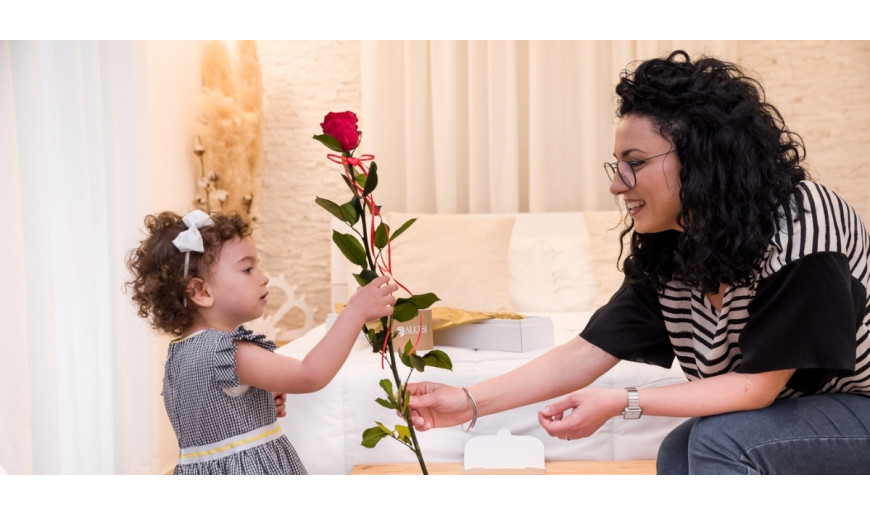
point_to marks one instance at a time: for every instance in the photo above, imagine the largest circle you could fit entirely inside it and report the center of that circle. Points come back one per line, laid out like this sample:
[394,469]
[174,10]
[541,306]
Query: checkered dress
[220,432]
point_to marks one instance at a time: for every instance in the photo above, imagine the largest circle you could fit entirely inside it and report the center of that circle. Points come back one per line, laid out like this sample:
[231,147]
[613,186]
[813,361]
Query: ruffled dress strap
[225,354]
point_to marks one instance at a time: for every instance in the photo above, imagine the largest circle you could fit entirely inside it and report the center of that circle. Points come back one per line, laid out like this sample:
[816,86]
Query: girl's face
[237,284]
[654,201]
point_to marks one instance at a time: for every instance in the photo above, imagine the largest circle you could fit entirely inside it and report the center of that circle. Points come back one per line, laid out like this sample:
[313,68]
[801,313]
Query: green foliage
[350,247]
[360,251]
[330,142]
[407,308]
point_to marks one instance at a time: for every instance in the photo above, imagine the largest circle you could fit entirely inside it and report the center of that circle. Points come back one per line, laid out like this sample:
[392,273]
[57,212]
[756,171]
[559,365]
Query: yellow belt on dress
[227,446]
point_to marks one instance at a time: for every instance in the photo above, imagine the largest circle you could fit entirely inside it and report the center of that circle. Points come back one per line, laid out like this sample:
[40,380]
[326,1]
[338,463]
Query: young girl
[197,278]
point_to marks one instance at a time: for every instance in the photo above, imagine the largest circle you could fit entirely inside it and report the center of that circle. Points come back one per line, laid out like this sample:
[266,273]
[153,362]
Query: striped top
[806,309]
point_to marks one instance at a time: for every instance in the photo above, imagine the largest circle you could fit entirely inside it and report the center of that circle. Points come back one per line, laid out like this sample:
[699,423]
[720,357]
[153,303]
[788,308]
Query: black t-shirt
[807,309]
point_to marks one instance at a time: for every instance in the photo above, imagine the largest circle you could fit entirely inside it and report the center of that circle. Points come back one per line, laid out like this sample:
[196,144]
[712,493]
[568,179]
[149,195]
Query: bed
[555,265]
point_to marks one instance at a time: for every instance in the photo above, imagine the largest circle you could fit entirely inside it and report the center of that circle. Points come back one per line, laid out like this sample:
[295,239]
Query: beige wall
[818,86]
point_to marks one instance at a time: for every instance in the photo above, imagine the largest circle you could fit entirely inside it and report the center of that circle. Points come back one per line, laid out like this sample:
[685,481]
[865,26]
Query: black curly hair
[159,285]
[739,165]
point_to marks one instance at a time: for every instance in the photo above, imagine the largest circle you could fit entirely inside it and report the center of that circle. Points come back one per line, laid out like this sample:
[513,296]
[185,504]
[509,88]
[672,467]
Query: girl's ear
[199,293]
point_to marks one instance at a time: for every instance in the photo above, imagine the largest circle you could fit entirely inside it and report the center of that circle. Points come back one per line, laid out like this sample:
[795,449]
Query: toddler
[197,278]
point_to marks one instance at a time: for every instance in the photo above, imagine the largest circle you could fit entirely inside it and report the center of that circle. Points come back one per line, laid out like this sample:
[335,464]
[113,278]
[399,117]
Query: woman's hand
[437,405]
[589,409]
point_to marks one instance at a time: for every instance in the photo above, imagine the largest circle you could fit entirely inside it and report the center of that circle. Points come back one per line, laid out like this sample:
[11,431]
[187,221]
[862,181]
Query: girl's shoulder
[243,334]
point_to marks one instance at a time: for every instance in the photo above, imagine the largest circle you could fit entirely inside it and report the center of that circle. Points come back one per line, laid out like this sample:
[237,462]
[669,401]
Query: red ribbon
[384,266]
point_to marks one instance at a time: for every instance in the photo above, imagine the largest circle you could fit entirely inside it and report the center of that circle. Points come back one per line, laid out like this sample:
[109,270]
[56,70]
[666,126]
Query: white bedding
[326,427]
[560,265]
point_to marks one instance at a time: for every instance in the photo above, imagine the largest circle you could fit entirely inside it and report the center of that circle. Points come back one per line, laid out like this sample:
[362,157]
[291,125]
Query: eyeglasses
[625,169]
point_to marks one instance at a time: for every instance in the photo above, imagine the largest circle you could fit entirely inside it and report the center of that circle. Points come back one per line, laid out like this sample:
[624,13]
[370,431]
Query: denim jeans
[817,434]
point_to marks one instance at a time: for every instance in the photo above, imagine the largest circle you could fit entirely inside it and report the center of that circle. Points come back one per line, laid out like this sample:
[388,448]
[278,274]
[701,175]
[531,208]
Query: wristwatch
[632,411]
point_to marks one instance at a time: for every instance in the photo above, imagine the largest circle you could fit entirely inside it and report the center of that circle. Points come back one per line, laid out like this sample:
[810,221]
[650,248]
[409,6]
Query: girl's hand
[437,405]
[589,409]
[374,300]
[280,403]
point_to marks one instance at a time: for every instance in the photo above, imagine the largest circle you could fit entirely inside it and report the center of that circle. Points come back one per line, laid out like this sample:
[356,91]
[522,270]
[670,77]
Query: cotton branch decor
[227,133]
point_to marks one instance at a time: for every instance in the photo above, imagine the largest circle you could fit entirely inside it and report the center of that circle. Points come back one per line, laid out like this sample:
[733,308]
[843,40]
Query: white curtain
[77,387]
[496,126]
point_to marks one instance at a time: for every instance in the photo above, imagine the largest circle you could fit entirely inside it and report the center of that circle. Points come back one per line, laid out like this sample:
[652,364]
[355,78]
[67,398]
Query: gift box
[522,335]
[420,325]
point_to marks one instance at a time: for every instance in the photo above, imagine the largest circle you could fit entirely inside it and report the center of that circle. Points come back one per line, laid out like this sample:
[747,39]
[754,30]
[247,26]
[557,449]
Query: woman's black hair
[739,165]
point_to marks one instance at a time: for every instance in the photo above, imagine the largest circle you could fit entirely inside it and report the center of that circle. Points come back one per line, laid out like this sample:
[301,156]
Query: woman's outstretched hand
[437,405]
[589,409]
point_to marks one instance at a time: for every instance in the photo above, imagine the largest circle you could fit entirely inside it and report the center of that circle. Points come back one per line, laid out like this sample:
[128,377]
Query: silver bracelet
[473,411]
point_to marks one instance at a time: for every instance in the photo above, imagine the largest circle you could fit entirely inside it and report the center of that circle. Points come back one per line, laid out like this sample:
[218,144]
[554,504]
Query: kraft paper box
[421,324]
[524,335]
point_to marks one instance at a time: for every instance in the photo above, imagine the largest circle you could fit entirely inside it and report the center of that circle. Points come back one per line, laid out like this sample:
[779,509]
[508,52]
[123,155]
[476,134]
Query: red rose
[342,126]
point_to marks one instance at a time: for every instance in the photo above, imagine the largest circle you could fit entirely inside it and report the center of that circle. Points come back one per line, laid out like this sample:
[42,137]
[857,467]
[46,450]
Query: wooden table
[603,467]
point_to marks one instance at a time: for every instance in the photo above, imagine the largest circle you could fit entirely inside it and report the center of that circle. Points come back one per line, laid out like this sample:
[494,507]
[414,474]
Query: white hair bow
[190,240]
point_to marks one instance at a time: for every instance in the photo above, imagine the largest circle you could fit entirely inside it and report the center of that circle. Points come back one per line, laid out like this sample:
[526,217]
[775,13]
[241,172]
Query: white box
[504,453]
[523,335]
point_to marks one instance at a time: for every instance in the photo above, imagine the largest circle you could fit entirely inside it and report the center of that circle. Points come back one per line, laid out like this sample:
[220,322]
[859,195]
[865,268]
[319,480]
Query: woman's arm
[565,368]
[263,369]
[725,393]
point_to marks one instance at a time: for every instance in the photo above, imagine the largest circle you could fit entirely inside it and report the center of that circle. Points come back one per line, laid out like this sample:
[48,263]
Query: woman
[752,276]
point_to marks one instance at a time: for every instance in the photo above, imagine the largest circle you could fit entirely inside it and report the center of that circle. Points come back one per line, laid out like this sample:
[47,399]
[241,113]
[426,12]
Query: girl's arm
[563,369]
[263,369]
[725,393]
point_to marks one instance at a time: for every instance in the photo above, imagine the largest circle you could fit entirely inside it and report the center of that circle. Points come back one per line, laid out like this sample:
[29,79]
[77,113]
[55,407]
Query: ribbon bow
[190,240]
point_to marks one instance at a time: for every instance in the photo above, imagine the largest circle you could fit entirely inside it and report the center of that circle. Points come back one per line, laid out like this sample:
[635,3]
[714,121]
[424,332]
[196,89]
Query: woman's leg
[817,434]
[673,455]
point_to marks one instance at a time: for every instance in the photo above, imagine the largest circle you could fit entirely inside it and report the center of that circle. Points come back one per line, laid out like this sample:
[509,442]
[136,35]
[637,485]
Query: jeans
[817,434]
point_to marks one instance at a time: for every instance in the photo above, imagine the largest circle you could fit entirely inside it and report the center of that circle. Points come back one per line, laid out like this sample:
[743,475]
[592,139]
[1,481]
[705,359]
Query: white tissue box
[523,335]
[504,453]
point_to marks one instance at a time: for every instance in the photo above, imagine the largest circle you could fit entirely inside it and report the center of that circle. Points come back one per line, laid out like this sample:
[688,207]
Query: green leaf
[387,404]
[371,181]
[404,433]
[350,211]
[403,356]
[387,386]
[381,239]
[350,247]
[438,359]
[410,359]
[402,229]
[330,206]
[366,276]
[417,362]
[404,310]
[423,300]
[350,185]
[373,435]
[330,142]
[376,339]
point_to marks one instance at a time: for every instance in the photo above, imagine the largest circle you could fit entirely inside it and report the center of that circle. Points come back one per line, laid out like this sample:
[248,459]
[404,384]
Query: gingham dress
[222,427]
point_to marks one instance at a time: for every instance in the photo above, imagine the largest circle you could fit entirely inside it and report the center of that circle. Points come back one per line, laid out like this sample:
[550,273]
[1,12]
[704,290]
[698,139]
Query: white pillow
[463,259]
[551,274]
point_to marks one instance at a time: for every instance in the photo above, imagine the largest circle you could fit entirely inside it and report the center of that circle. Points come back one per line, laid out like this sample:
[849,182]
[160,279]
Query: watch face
[632,413]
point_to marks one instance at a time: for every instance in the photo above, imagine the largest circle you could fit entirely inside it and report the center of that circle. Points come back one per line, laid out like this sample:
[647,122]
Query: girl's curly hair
[739,165]
[159,286]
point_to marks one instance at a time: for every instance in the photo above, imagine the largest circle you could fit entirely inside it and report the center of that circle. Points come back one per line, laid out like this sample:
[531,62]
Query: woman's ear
[198,293]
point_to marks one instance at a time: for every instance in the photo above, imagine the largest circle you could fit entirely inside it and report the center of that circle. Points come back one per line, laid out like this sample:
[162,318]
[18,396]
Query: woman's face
[654,201]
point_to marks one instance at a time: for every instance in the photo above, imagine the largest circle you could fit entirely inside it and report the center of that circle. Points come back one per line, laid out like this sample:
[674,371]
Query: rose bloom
[342,126]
